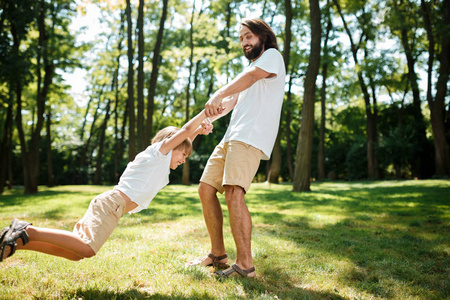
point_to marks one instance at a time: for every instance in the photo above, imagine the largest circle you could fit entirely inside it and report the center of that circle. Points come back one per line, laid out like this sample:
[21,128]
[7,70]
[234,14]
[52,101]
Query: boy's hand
[207,127]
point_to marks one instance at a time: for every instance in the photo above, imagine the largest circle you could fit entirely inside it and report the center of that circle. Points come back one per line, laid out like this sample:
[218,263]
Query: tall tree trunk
[420,161]
[154,74]
[141,143]
[116,89]
[98,167]
[372,161]
[50,174]
[5,145]
[227,37]
[276,160]
[437,105]
[130,90]
[302,174]
[185,177]
[321,155]
[30,156]
[289,158]
[82,177]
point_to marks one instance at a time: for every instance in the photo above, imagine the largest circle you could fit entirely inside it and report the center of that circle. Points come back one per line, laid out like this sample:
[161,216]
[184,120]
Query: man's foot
[219,262]
[236,271]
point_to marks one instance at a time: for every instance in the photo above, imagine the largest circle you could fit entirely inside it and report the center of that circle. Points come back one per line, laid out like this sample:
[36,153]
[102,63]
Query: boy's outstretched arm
[205,128]
[186,131]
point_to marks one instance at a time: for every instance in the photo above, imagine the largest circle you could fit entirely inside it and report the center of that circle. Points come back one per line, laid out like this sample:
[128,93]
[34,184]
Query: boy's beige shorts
[101,218]
[232,163]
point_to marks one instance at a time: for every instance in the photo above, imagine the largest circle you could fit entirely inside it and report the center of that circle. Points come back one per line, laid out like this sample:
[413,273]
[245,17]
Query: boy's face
[178,158]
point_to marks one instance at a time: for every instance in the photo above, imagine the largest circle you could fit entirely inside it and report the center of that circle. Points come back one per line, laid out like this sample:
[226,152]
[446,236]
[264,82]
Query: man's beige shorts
[232,163]
[100,219]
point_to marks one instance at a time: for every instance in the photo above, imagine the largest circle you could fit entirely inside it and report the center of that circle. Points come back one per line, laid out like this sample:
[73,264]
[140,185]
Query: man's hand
[214,106]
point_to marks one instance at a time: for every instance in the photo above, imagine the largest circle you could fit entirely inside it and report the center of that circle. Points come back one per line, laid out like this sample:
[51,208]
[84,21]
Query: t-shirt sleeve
[270,61]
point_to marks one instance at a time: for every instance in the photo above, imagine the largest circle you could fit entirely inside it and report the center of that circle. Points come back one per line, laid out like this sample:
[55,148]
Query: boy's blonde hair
[168,132]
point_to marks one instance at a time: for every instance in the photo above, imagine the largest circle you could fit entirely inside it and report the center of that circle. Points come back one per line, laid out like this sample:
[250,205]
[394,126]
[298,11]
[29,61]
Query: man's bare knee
[233,192]
[206,190]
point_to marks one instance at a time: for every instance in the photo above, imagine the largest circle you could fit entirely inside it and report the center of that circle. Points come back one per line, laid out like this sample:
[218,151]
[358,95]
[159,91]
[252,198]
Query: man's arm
[226,106]
[242,82]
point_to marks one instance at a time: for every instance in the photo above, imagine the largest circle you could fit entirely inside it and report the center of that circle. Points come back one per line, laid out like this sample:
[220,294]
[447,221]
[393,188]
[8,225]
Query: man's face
[250,43]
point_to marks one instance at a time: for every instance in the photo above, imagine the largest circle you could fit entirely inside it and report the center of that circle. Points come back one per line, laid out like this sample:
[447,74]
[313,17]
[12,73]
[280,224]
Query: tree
[154,73]
[131,106]
[325,62]
[403,22]
[366,35]
[141,142]
[437,103]
[302,175]
[275,163]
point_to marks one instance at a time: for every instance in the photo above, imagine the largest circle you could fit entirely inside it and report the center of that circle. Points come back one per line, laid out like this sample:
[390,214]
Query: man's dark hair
[263,31]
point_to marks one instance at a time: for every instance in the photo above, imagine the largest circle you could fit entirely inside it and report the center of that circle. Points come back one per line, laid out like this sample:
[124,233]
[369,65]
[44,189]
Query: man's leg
[241,225]
[212,213]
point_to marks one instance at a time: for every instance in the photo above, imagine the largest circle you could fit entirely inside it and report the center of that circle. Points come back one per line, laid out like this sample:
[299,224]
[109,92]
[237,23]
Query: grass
[363,240]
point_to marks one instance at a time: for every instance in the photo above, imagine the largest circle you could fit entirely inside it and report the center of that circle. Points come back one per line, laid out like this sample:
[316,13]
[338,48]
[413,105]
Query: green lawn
[359,240]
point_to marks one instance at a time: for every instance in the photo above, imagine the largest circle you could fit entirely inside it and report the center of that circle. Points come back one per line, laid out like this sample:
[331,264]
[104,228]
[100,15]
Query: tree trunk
[276,160]
[289,158]
[98,168]
[50,174]
[321,155]
[117,156]
[130,90]
[30,157]
[302,174]
[154,74]
[5,146]
[82,176]
[141,143]
[420,161]
[437,105]
[372,161]
[185,178]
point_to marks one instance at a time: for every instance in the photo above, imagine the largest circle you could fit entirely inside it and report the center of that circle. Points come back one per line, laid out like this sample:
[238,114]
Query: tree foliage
[382,85]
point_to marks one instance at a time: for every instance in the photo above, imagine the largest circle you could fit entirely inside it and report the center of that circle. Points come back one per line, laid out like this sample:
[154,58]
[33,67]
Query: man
[256,96]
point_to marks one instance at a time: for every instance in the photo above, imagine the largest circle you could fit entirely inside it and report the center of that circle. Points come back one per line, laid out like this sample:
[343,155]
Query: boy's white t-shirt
[145,176]
[255,118]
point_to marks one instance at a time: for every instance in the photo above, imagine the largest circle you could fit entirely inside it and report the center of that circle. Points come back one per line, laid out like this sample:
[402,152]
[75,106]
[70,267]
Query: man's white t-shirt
[255,118]
[145,176]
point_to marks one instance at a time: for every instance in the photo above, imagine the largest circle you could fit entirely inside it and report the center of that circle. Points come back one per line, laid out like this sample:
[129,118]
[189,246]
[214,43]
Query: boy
[140,182]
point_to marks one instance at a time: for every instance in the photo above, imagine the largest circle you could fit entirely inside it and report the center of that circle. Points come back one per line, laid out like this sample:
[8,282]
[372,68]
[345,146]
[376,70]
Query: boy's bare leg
[55,242]
[241,225]
[212,213]
[49,249]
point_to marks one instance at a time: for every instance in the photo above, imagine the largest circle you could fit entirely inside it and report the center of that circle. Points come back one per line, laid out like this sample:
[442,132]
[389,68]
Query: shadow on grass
[251,287]
[390,234]
[17,197]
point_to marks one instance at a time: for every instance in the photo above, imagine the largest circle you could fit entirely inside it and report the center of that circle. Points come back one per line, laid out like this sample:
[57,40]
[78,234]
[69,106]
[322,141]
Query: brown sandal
[215,262]
[234,268]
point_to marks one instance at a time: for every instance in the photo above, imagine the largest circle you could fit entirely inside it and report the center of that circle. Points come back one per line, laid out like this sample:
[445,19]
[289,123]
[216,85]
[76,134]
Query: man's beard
[255,52]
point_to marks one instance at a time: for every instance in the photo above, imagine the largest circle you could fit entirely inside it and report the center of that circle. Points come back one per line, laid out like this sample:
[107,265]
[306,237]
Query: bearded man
[256,97]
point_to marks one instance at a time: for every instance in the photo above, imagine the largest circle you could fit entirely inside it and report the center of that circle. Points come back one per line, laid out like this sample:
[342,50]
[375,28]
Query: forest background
[366,88]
